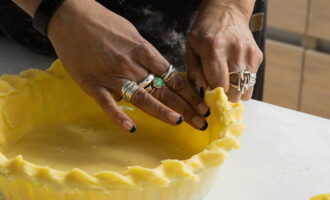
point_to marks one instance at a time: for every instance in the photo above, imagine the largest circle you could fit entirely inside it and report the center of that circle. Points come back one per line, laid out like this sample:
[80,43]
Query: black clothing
[163,23]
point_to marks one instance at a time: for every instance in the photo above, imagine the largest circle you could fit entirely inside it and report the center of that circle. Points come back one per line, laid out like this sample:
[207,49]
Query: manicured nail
[208,113]
[133,129]
[205,126]
[181,119]
[175,117]
[129,126]
[201,92]
[203,109]
[198,122]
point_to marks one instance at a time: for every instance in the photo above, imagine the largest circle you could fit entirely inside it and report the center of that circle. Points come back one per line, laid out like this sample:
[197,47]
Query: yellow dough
[321,197]
[57,144]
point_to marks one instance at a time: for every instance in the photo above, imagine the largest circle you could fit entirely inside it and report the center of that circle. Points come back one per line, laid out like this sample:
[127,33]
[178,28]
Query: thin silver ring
[147,81]
[128,89]
[169,74]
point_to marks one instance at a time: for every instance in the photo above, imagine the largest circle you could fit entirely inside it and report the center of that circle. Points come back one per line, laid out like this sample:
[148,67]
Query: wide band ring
[147,81]
[169,74]
[128,89]
[246,79]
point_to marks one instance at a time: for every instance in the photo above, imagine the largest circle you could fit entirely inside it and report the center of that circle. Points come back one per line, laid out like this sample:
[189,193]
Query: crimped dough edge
[136,177]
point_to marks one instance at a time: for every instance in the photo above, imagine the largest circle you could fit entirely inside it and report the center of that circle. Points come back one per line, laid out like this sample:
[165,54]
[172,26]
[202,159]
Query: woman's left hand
[220,42]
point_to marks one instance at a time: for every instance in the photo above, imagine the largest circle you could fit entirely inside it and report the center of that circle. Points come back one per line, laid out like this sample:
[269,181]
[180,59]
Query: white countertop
[285,154]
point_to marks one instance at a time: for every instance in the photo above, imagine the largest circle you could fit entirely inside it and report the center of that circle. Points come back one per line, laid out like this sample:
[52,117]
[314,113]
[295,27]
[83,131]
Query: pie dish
[57,144]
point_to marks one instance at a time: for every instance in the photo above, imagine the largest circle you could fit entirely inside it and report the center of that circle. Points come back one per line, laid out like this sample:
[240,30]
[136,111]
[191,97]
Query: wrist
[241,8]
[67,16]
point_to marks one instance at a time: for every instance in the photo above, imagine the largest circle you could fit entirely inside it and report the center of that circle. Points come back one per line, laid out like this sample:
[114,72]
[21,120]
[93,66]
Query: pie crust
[57,144]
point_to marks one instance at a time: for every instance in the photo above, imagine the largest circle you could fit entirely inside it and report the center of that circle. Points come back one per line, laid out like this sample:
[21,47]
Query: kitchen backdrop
[298,55]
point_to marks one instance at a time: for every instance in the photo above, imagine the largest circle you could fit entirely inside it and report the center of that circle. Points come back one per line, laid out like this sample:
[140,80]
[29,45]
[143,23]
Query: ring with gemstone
[128,89]
[169,74]
[158,83]
[246,79]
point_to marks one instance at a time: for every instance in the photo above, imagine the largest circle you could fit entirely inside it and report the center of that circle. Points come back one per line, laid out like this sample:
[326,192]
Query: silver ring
[147,81]
[169,74]
[128,89]
[246,79]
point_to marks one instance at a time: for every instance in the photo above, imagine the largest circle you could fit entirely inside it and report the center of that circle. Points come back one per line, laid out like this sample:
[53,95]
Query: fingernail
[208,113]
[175,117]
[202,108]
[181,119]
[198,122]
[129,126]
[201,92]
[205,126]
[133,129]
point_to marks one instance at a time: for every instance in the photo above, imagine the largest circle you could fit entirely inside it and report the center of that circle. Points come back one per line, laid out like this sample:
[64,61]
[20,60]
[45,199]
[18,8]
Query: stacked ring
[150,83]
[128,89]
[169,74]
[246,80]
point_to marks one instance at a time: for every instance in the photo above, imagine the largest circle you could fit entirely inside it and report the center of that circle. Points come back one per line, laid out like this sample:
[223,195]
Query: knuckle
[165,95]
[123,60]
[117,117]
[146,49]
[177,83]
[104,101]
[259,56]
[213,42]
[161,111]
[140,97]
[238,44]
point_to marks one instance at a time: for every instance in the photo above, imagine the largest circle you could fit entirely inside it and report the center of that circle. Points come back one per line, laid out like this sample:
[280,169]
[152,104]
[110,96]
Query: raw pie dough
[321,197]
[54,137]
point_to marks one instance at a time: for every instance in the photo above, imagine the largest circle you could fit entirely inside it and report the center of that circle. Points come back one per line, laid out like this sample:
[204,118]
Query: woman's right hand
[101,50]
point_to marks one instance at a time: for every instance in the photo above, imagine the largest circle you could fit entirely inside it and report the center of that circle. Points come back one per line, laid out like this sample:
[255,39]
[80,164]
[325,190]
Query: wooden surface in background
[283,74]
[319,19]
[316,86]
[288,15]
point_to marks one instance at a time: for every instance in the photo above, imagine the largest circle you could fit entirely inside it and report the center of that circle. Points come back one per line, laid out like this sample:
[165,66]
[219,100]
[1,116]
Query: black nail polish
[201,92]
[205,126]
[133,129]
[181,119]
[208,113]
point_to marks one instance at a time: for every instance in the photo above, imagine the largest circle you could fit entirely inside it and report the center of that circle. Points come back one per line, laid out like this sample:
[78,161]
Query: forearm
[29,6]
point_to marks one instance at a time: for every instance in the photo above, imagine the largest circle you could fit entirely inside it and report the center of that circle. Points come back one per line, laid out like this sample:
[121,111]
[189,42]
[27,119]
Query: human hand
[221,42]
[101,50]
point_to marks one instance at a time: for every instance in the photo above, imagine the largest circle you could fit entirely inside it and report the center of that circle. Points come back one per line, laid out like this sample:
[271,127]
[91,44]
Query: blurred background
[297,56]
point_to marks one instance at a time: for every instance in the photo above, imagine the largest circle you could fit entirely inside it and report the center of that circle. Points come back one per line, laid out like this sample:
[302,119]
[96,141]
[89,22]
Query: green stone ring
[158,82]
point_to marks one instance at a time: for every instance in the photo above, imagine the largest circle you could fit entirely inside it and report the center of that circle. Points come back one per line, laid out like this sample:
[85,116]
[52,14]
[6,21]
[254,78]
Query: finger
[151,59]
[215,70]
[235,64]
[247,94]
[158,65]
[184,88]
[253,59]
[149,104]
[108,104]
[195,72]
[234,95]
[174,101]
